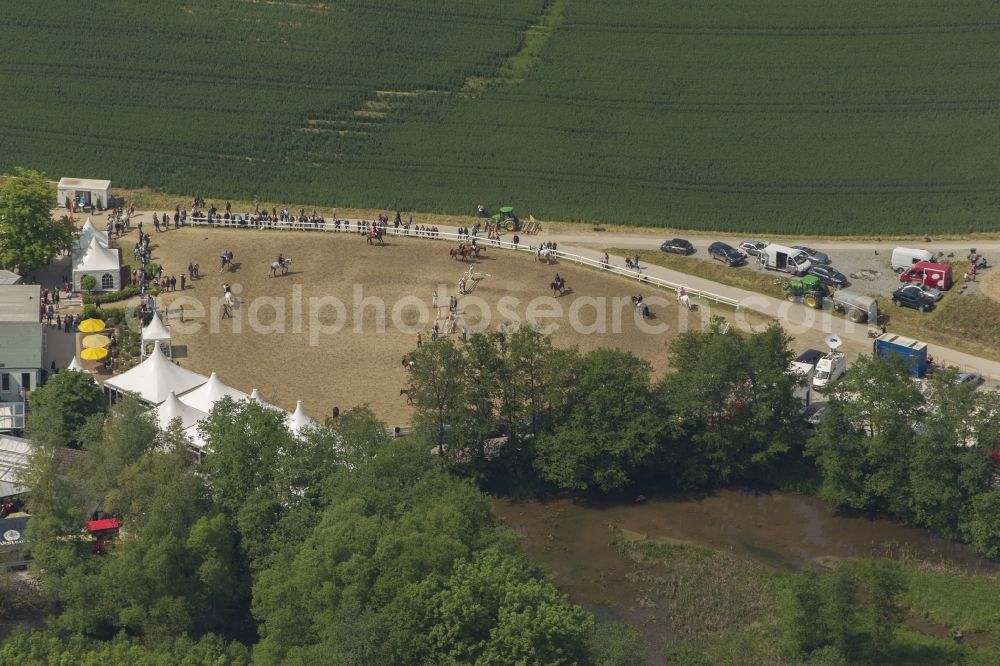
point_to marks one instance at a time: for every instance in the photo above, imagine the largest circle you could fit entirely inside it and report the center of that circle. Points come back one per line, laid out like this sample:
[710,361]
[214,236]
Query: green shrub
[88,282]
[112,296]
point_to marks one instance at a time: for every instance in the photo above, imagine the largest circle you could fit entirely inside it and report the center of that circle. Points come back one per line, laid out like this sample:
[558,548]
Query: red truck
[928,273]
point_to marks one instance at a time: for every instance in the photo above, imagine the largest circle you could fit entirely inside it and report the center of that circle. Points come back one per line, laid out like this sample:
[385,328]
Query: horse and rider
[227,260]
[282,264]
[558,285]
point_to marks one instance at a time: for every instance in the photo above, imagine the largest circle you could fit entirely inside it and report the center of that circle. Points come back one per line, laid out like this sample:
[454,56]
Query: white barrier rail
[404,232]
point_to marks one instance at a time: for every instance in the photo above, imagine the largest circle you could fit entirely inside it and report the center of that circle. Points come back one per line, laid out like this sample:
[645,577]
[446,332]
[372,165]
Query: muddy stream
[572,538]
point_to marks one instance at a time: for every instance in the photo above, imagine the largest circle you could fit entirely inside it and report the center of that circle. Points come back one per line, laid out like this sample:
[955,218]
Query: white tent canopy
[205,396]
[75,365]
[155,331]
[97,258]
[172,408]
[155,378]
[88,232]
[299,420]
[256,397]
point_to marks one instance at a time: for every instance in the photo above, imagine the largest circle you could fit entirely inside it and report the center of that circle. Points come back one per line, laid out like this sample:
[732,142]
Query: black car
[726,253]
[911,298]
[815,256]
[829,275]
[678,246]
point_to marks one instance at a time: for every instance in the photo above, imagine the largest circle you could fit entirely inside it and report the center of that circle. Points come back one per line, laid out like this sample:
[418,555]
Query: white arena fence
[482,241]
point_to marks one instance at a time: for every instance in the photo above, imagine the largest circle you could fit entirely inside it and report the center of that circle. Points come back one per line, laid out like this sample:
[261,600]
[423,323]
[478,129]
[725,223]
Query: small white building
[22,344]
[101,262]
[85,192]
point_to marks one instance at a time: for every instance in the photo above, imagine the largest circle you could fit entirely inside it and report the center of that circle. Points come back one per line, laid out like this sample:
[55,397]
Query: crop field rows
[739,116]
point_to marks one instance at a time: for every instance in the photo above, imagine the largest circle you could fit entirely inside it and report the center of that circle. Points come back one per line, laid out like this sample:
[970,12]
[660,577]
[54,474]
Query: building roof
[83,184]
[205,396]
[98,258]
[14,452]
[19,302]
[9,277]
[155,331]
[21,345]
[154,379]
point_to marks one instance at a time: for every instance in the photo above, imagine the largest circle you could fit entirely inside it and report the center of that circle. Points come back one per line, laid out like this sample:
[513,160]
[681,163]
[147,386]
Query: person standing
[434,299]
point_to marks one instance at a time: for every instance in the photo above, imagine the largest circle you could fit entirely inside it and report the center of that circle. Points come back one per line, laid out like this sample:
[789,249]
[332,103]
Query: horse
[475,250]
[408,392]
[459,251]
[227,260]
[280,265]
[545,254]
[558,287]
[373,238]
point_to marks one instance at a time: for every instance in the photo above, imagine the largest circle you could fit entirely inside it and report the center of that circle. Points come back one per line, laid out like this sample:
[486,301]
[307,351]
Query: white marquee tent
[88,232]
[172,408]
[299,420]
[205,396]
[155,333]
[155,378]
[102,263]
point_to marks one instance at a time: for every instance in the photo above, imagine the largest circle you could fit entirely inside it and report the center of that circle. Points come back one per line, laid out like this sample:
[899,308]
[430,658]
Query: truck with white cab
[831,366]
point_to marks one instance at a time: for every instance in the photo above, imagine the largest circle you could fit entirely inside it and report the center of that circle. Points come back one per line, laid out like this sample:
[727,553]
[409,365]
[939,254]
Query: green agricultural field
[738,115]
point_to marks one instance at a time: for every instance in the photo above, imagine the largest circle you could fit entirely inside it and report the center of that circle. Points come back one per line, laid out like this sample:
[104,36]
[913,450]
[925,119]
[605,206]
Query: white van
[904,257]
[776,257]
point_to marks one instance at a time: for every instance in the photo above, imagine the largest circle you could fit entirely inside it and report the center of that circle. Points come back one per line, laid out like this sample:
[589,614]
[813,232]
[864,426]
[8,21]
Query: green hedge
[120,295]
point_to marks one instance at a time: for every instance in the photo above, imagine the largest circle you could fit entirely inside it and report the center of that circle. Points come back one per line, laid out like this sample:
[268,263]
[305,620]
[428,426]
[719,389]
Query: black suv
[829,275]
[727,254]
[678,246]
[912,298]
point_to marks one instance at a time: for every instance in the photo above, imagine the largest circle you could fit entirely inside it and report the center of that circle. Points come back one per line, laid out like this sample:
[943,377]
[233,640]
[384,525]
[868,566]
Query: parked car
[726,253]
[815,413]
[678,246]
[912,298]
[829,275]
[969,378]
[815,256]
[752,247]
[932,293]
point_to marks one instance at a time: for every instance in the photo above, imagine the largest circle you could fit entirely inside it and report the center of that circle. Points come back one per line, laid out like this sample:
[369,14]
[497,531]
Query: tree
[884,583]
[88,283]
[983,526]
[608,425]
[29,237]
[113,441]
[730,402]
[249,444]
[807,630]
[61,406]
[840,618]
[438,371]
[864,445]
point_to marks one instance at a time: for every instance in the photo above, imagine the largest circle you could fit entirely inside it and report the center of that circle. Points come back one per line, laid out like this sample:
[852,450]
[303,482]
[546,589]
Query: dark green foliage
[29,237]
[61,406]
[732,405]
[924,458]
[50,648]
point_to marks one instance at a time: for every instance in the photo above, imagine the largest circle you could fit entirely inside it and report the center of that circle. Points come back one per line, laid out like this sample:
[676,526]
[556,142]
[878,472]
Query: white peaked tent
[298,420]
[155,333]
[155,378]
[102,263]
[256,397]
[76,365]
[88,232]
[172,408]
[205,396]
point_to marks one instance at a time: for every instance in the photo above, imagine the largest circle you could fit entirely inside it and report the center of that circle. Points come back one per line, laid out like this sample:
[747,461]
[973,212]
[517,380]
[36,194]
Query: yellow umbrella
[94,341]
[93,354]
[91,326]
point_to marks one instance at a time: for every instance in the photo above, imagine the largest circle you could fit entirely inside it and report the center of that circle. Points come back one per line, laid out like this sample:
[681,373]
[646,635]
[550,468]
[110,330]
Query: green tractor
[506,219]
[807,290]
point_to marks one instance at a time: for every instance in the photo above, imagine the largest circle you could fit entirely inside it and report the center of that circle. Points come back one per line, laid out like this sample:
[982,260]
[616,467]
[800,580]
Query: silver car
[932,293]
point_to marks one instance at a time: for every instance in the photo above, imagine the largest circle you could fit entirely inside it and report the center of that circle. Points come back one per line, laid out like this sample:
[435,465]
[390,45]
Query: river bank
[709,574]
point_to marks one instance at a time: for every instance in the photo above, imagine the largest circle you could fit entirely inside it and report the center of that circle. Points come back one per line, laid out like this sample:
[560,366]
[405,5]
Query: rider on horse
[281,259]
